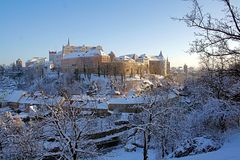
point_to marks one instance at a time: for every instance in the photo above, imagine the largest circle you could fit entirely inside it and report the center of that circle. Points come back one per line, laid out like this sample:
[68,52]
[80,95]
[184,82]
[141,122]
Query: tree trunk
[74,156]
[145,147]
[163,148]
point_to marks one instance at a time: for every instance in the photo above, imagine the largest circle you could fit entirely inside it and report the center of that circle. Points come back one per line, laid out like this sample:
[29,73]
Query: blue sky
[33,27]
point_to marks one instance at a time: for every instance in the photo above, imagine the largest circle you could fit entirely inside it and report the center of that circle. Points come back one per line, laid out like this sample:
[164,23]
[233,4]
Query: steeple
[68,42]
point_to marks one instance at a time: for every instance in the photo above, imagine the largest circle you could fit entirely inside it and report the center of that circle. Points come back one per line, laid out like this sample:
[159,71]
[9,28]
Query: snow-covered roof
[40,100]
[87,106]
[157,58]
[82,98]
[133,56]
[90,53]
[137,100]
[124,58]
[37,59]
[74,55]
[144,56]
[94,51]
[102,106]
[14,96]
[76,98]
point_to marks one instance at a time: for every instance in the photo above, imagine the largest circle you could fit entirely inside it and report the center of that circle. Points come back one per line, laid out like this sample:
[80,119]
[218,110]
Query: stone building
[52,55]
[89,61]
[35,61]
[112,56]
[144,58]
[67,49]
[55,58]
[127,67]
[185,69]
[158,65]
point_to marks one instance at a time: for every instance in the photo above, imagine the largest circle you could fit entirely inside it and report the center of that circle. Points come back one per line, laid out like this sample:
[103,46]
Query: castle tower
[185,69]
[67,48]
[161,55]
[165,67]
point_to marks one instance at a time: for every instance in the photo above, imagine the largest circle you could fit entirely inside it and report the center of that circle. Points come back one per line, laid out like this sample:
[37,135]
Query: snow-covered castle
[94,60]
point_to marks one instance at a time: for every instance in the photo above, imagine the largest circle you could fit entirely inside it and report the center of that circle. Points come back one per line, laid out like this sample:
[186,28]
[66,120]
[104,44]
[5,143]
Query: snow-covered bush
[195,146]
[216,116]
[18,140]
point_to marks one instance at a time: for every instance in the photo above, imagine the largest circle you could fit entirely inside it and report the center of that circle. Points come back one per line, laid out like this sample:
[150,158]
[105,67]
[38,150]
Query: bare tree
[216,36]
[70,129]
[159,121]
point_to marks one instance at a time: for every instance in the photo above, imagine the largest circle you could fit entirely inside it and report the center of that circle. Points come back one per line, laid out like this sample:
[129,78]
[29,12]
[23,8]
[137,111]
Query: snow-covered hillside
[229,151]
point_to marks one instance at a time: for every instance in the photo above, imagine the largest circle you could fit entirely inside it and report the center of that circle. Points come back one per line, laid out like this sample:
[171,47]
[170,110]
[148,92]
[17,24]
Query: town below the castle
[83,85]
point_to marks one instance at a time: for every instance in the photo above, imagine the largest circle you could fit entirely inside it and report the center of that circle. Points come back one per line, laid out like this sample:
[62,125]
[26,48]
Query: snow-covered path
[229,151]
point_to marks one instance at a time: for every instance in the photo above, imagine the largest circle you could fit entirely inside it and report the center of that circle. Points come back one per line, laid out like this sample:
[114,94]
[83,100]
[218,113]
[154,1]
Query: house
[39,99]
[85,59]
[88,59]
[87,104]
[35,61]
[130,105]
[55,58]
[13,98]
[158,65]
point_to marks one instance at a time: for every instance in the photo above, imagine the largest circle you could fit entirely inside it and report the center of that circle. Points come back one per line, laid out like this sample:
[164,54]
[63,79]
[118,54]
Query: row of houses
[17,99]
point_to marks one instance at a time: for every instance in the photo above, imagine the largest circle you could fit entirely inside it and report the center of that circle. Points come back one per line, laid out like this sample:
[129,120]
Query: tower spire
[68,42]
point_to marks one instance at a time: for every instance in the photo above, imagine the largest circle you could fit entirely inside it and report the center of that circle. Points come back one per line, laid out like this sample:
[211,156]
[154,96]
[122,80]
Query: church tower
[67,48]
[68,42]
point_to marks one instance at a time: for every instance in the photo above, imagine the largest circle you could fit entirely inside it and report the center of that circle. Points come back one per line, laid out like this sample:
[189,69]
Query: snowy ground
[121,154]
[229,151]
